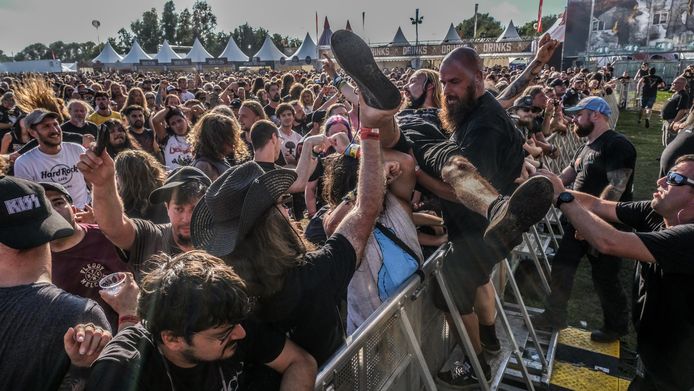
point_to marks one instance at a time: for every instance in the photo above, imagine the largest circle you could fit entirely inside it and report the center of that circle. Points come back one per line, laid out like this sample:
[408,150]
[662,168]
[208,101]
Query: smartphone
[101,140]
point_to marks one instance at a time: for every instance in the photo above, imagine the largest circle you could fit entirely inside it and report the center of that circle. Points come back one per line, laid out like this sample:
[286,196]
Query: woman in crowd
[138,173]
[306,100]
[215,140]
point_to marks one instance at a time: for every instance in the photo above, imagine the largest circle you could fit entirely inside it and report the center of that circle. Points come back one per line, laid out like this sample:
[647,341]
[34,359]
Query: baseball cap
[38,115]
[177,178]
[56,187]
[235,103]
[556,83]
[28,219]
[523,102]
[593,103]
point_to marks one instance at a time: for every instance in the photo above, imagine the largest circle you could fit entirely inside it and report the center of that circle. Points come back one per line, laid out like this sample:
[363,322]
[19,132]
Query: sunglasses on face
[534,110]
[675,179]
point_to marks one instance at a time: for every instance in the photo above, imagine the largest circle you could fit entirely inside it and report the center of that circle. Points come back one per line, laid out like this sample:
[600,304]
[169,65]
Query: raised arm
[158,124]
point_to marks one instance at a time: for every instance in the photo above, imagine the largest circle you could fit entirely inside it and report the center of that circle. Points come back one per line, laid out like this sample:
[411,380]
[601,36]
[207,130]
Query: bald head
[467,57]
[679,83]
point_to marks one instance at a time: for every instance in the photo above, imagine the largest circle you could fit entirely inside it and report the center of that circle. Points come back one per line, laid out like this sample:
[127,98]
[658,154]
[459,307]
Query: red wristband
[128,319]
[369,134]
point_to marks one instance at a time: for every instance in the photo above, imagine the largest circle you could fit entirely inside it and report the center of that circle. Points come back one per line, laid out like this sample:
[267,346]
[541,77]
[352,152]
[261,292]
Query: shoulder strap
[391,235]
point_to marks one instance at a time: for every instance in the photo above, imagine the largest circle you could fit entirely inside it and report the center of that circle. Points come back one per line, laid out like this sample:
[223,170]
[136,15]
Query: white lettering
[22,204]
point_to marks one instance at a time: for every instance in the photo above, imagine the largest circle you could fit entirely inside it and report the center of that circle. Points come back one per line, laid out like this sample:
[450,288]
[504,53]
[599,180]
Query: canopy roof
[232,52]
[108,55]
[324,39]
[307,49]
[269,52]
[198,53]
[166,54]
[399,39]
[452,36]
[135,54]
[509,34]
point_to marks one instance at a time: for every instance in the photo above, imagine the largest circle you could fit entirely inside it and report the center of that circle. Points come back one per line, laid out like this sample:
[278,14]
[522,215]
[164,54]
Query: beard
[103,106]
[50,141]
[416,103]
[454,111]
[276,98]
[584,130]
[138,124]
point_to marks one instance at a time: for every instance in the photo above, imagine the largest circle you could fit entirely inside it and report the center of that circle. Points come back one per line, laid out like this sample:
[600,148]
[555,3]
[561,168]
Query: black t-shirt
[650,85]
[663,309]
[88,128]
[8,116]
[571,97]
[682,144]
[145,139]
[307,306]
[131,361]
[150,239]
[678,101]
[270,112]
[611,151]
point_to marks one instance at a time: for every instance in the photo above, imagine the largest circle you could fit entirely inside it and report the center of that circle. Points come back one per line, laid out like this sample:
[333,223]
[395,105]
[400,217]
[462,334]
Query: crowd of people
[241,211]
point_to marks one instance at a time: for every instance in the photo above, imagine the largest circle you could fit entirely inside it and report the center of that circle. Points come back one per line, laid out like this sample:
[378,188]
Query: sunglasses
[675,179]
[534,110]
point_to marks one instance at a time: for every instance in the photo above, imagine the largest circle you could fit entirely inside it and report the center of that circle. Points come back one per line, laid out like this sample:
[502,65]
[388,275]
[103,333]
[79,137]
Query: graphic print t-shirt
[289,145]
[59,168]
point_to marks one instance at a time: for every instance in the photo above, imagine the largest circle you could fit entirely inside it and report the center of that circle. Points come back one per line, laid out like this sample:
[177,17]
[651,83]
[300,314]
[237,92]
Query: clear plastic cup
[113,283]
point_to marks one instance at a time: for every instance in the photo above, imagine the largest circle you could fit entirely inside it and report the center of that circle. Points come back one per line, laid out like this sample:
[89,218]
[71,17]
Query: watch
[563,198]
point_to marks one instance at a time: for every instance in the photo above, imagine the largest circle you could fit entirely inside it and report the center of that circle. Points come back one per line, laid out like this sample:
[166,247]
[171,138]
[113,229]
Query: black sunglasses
[534,110]
[675,179]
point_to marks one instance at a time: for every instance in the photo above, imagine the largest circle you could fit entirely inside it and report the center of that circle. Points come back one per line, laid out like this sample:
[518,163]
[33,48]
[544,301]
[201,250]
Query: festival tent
[452,36]
[166,54]
[348,27]
[558,29]
[399,39]
[269,52]
[509,34]
[44,66]
[198,53]
[324,39]
[108,55]
[135,54]
[307,49]
[233,53]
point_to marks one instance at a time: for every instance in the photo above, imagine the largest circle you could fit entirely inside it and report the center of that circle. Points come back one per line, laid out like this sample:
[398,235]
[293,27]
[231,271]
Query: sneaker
[488,339]
[648,123]
[605,336]
[462,376]
[355,58]
[545,321]
[510,217]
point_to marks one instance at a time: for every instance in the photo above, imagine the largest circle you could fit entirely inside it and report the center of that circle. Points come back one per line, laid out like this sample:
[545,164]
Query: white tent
[198,53]
[45,66]
[558,29]
[166,54]
[269,52]
[509,34]
[307,49]
[399,39]
[108,55]
[324,39]
[232,52]
[452,36]
[135,54]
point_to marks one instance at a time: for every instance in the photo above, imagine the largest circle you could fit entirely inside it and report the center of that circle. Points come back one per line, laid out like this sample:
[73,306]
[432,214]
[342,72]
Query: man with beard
[119,139]
[141,238]
[290,138]
[250,112]
[52,160]
[103,111]
[483,143]
[136,121]
[302,123]
[78,123]
[183,87]
[195,335]
[273,91]
[604,168]
[423,94]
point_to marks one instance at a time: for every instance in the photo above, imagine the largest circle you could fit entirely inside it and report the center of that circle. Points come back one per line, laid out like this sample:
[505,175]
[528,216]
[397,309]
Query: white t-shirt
[288,146]
[59,168]
[186,96]
[177,152]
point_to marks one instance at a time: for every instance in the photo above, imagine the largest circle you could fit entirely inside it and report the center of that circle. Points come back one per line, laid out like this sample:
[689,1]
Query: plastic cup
[112,283]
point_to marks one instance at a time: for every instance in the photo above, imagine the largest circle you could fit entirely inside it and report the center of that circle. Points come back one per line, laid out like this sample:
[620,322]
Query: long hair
[340,177]
[432,78]
[36,92]
[287,82]
[130,141]
[258,84]
[139,173]
[271,249]
[212,133]
[130,100]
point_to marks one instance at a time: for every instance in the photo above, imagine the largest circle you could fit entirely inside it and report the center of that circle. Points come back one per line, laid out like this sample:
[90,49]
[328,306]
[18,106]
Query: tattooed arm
[544,53]
[618,184]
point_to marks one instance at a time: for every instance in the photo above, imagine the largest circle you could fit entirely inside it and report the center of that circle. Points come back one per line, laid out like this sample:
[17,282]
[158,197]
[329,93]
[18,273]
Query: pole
[474,33]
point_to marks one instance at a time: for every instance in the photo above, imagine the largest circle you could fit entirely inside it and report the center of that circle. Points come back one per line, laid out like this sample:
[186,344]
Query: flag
[53,54]
[539,18]
[316,24]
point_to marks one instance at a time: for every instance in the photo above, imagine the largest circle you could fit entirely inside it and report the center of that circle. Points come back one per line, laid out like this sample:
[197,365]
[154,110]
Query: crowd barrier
[407,340]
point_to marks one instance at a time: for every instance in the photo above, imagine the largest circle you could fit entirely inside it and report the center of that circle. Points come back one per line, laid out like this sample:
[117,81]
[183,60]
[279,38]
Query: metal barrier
[402,345]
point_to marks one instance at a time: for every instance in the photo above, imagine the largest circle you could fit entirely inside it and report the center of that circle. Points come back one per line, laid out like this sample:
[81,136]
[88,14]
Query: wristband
[128,319]
[353,151]
[315,154]
[369,134]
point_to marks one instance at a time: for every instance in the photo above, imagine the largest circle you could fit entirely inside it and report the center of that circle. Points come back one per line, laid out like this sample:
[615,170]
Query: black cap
[56,187]
[28,219]
[317,116]
[177,178]
[235,103]
[555,83]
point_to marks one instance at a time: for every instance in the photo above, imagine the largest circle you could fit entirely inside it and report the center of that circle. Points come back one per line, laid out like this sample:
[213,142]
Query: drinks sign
[442,50]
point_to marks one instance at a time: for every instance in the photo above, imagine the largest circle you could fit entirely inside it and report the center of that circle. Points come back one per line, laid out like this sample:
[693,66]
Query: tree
[4,57]
[122,42]
[35,51]
[169,20]
[147,30]
[487,27]
[530,28]
[216,44]
[249,38]
[204,21]
[284,42]
[184,33]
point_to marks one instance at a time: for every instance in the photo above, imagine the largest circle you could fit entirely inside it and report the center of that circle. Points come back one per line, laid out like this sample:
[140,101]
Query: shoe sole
[526,207]
[488,350]
[356,59]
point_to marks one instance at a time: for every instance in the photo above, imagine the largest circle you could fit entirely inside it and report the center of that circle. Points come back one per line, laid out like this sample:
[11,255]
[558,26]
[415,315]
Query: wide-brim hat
[28,219]
[233,204]
[176,178]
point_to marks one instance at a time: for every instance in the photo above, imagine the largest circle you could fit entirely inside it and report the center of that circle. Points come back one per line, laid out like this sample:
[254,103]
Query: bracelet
[315,154]
[353,151]
[369,134]
[128,319]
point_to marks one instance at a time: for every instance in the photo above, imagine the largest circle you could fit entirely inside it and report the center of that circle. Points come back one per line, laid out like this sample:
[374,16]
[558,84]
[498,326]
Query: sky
[29,21]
